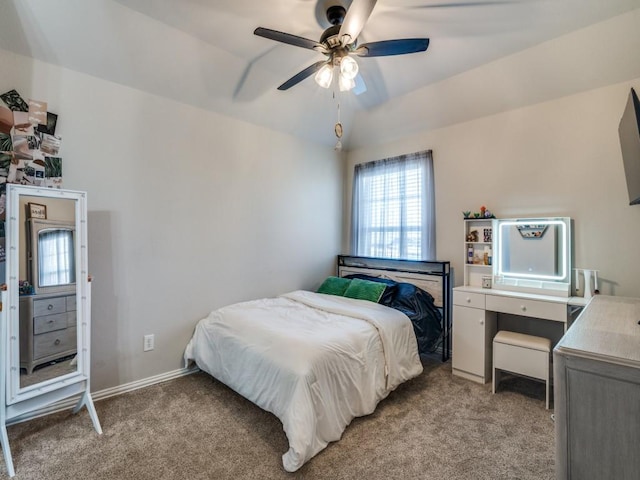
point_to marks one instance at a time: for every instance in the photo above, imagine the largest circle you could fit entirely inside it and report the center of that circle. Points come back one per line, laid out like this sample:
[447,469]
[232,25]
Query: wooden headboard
[433,277]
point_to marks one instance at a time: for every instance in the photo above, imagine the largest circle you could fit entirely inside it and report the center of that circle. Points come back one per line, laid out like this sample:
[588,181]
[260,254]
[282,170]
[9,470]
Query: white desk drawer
[468,299]
[527,307]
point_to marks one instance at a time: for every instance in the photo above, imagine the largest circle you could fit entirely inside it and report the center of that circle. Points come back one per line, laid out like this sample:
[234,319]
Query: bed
[314,360]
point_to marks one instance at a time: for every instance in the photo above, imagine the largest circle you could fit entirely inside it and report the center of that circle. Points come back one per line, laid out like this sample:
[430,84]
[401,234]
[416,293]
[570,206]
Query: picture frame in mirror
[37,210]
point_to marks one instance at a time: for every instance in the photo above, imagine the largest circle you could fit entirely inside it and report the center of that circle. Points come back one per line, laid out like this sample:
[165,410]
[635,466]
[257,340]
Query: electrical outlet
[148,343]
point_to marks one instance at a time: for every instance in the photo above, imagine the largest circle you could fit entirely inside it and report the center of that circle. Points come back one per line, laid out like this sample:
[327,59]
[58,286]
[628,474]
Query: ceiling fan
[339,43]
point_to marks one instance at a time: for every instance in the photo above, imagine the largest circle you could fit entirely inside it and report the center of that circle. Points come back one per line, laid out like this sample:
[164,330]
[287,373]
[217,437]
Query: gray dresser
[47,328]
[597,393]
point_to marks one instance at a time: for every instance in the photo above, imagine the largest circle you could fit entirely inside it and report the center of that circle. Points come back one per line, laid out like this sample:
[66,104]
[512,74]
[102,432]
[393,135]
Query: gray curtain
[393,209]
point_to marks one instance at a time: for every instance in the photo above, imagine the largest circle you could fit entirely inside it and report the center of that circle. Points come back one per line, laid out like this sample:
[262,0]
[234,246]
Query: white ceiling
[204,53]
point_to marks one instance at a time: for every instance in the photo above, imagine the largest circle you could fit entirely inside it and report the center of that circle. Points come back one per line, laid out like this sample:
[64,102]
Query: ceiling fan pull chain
[338,128]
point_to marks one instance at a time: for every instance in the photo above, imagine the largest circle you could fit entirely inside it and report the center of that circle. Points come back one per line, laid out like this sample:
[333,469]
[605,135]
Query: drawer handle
[50,321]
[50,307]
[57,342]
[468,300]
[523,308]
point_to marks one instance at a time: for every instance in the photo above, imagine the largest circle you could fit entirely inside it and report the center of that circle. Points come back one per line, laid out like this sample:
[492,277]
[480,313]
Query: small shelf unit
[478,253]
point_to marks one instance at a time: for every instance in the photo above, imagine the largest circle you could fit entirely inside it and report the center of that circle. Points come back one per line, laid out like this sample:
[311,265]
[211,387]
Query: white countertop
[607,330]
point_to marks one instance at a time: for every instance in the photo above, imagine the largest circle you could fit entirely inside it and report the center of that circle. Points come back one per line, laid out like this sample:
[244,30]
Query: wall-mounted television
[52,256]
[629,132]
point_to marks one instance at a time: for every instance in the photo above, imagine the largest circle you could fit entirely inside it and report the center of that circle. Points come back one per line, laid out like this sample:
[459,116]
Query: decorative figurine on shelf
[472,236]
[483,213]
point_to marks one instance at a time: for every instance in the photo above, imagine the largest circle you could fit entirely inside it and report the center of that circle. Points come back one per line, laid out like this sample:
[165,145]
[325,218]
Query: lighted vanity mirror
[533,254]
[46,248]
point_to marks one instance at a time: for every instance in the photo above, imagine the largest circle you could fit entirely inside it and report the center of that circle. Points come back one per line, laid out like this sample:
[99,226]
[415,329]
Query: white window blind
[55,258]
[393,208]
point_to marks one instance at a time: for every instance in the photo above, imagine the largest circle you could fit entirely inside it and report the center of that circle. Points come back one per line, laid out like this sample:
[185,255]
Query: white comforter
[315,361]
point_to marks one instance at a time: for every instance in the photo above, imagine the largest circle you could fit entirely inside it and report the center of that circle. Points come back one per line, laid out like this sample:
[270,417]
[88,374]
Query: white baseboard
[106,393]
[145,382]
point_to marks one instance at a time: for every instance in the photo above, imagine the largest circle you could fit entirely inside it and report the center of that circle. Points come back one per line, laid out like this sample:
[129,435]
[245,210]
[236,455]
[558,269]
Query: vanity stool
[523,355]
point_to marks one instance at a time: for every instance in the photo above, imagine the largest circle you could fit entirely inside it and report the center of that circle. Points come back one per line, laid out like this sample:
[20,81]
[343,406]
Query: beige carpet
[434,427]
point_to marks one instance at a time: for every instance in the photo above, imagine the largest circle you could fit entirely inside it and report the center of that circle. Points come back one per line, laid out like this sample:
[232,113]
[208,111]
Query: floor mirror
[45,321]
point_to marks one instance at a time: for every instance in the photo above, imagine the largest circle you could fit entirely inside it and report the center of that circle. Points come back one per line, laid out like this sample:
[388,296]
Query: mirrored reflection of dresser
[47,328]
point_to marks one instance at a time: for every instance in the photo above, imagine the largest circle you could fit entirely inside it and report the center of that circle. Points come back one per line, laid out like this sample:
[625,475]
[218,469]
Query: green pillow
[334,286]
[365,290]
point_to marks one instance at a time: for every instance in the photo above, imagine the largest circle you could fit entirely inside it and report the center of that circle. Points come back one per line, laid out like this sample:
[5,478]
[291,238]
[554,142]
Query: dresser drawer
[49,323]
[468,299]
[71,319]
[54,343]
[48,306]
[527,307]
[71,303]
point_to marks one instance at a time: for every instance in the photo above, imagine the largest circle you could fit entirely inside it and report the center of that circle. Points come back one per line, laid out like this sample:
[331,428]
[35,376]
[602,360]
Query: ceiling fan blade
[307,72]
[354,20]
[289,39]
[392,47]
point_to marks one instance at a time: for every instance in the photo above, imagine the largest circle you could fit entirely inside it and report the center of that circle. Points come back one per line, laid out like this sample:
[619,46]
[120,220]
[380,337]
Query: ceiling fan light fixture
[345,83]
[325,76]
[348,68]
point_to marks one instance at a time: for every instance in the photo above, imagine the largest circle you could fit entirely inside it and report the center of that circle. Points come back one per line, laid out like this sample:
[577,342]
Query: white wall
[188,211]
[559,158]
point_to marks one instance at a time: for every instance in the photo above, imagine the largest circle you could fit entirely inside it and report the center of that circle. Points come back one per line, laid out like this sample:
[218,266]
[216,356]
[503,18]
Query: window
[55,258]
[393,208]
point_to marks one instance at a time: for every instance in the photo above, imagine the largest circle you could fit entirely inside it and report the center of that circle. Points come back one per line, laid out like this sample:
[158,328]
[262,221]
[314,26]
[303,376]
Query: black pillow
[416,304]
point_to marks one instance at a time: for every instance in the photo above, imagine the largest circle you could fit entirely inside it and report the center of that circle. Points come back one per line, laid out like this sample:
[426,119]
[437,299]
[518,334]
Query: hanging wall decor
[29,147]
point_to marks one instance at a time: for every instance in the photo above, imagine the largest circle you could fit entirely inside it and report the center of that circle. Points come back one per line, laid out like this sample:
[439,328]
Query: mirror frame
[552,284]
[15,220]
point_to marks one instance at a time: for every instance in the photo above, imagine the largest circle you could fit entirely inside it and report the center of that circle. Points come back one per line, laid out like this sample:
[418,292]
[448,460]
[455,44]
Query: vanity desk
[529,285]
[475,323]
